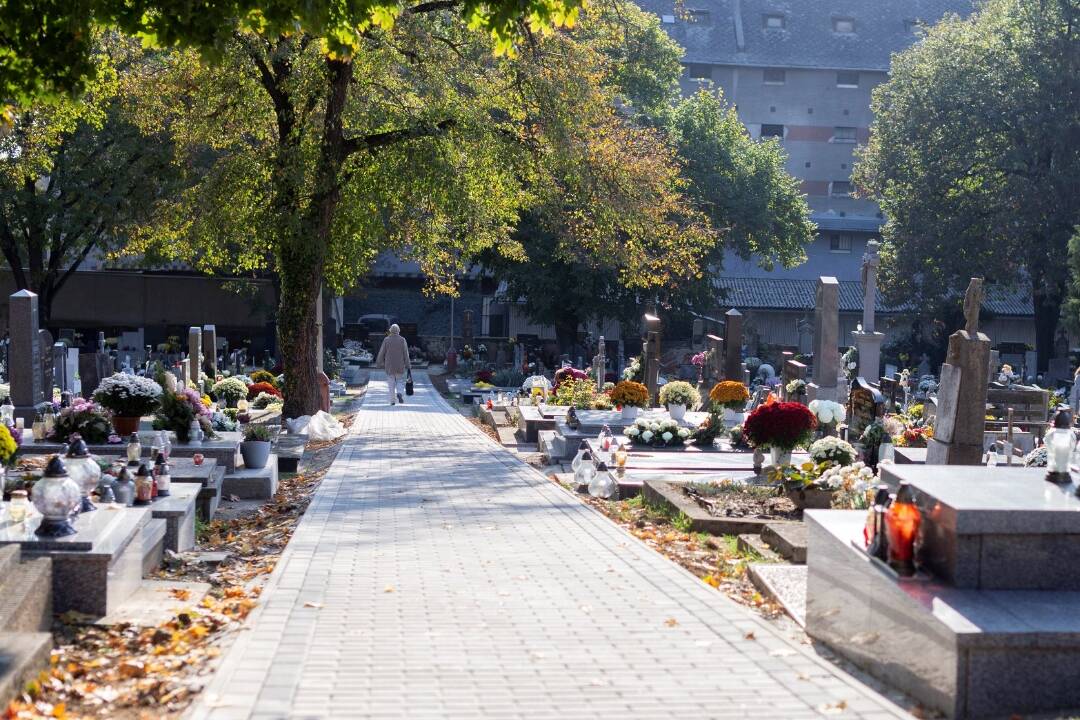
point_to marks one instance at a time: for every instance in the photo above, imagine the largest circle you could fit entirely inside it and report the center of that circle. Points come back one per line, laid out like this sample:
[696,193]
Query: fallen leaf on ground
[312,604]
[671,622]
[750,636]
[388,589]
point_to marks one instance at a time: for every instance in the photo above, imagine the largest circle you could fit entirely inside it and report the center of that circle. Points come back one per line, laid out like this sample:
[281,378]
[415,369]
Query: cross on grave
[600,363]
[867,340]
[826,339]
[961,412]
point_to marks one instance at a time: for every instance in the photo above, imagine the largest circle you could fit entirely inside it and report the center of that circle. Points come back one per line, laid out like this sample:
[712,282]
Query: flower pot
[630,413]
[255,453]
[677,412]
[733,417]
[780,457]
[124,426]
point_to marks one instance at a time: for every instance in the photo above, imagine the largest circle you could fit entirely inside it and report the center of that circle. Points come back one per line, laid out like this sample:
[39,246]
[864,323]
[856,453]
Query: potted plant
[679,396]
[86,419]
[829,414]
[128,398]
[732,396]
[179,409]
[780,427]
[232,390]
[255,447]
[631,397]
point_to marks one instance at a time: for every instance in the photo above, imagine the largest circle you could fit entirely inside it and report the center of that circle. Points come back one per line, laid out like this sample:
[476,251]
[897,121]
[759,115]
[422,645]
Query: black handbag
[409,383]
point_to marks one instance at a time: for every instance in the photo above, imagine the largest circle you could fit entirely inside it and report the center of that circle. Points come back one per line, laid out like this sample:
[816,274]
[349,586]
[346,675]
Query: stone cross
[826,339]
[100,342]
[194,352]
[24,371]
[209,343]
[973,299]
[733,342]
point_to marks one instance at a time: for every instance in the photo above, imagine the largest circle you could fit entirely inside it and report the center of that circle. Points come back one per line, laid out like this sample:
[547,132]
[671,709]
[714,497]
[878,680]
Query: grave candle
[20,423]
[144,486]
[83,469]
[19,506]
[161,475]
[123,488]
[902,523]
[56,496]
[585,471]
[134,448]
[620,456]
[1059,446]
[583,448]
[603,485]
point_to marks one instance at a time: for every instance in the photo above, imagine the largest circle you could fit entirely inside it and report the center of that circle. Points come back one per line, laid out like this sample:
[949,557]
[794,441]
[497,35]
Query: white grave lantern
[84,470]
[585,471]
[603,485]
[1059,447]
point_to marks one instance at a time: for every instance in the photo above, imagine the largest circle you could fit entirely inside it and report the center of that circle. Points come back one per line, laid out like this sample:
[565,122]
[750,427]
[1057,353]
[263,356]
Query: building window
[843,134]
[667,19]
[775,76]
[773,21]
[699,71]
[847,79]
[699,17]
[843,25]
[840,242]
[840,188]
[776,131]
[911,25]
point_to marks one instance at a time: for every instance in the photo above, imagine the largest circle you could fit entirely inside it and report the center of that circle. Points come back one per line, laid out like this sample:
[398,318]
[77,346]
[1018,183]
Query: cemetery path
[435,575]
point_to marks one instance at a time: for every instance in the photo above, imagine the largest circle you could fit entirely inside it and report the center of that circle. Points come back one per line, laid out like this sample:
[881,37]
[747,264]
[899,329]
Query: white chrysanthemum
[633,431]
[684,433]
[655,427]
[647,435]
[667,437]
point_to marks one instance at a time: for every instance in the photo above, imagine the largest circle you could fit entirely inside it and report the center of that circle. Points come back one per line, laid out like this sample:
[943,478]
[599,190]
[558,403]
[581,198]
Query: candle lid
[56,467]
[143,471]
[134,438]
[78,449]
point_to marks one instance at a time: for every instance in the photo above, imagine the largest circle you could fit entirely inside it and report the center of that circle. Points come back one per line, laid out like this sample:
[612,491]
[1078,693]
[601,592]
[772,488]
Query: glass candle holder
[19,507]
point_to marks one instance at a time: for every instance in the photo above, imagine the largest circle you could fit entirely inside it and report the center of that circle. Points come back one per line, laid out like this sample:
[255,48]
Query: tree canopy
[47,46]
[974,156]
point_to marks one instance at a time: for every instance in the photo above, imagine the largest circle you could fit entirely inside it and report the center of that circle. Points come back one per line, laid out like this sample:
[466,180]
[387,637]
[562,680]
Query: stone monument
[600,363]
[194,352]
[714,369]
[867,340]
[733,342]
[209,343]
[826,340]
[961,411]
[25,365]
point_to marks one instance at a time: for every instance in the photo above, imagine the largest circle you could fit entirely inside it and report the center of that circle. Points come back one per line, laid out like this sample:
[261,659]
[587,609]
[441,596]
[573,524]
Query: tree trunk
[566,329]
[297,337]
[1047,304]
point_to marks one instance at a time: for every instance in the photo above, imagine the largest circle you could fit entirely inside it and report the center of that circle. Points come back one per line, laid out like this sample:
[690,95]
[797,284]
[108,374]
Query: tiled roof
[882,27]
[785,294]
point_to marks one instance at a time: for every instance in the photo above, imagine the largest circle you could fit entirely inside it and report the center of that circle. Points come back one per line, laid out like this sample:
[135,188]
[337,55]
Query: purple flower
[16,435]
[115,439]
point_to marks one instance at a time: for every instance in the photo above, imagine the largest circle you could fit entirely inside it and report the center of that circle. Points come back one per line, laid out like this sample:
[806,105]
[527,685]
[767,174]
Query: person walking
[394,358]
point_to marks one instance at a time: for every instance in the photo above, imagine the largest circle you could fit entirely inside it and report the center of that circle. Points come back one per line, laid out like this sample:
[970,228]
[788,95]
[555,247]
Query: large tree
[422,142]
[974,156]
[75,178]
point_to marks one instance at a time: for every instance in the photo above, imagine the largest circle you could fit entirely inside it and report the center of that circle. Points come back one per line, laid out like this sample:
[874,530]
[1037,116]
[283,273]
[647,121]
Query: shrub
[128,395]
[256,433]
[230,389]
[263,376]
[262,387]
[83,418]
[630,394]
[782,425]
[579,393]
[730,394]
[178,410]
[679,392]
[265,400]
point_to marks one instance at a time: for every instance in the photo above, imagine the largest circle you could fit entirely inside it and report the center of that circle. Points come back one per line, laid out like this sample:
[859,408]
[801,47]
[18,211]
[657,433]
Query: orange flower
[630,394]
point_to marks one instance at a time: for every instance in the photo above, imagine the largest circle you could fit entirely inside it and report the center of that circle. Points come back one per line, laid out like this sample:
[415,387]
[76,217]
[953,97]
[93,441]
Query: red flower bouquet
[569,374]
[262,387]
[781,425]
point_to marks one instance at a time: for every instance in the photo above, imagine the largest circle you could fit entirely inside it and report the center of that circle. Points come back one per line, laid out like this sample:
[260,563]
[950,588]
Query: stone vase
[733,417]
[780,456]
[125,425]
[630,413]
[677,412]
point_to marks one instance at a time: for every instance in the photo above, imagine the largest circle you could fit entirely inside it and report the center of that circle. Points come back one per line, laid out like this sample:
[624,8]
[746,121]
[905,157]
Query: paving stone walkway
[437,576]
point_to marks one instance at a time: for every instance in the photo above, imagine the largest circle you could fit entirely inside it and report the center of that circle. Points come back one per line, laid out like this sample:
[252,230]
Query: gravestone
[865,404]
[924,365]
[71,370]
[805,329]
[867,340]
[93,368]
[61,376]
[467,328]
[733,342]
[600,363]
[890,390]
[210,344]
[697,332]
[650,355]
[961,411]
[25,361]
[714,369]
[185,373]
[995,364]
[826,340]
[45,367]
[793,370]
[194,353]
